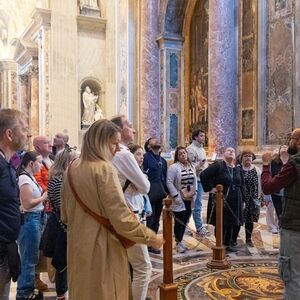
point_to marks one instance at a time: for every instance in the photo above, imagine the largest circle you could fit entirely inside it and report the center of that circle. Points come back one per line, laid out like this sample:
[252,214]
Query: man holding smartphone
[197,157]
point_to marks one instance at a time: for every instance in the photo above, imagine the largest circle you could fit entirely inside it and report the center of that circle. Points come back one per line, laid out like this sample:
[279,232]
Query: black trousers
[277,202]
[248,230]
[153,220]
[181,220]
[230,234]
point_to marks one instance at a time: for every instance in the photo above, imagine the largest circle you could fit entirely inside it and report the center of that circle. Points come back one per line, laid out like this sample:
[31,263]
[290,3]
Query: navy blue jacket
[9,203]
[155,167]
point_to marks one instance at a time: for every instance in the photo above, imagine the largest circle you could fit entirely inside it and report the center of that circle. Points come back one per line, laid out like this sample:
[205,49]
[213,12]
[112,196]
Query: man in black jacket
[13,136]
[155,167]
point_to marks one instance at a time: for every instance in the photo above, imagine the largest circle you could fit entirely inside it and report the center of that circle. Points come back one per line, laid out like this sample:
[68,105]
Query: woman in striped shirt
[55,243]
[181,178]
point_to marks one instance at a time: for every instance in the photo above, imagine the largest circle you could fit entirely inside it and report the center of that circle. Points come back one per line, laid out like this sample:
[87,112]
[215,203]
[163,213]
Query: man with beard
[13,136]
[289,179]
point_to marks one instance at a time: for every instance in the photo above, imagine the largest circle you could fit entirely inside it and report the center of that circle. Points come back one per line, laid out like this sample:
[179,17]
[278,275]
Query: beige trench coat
[97,262]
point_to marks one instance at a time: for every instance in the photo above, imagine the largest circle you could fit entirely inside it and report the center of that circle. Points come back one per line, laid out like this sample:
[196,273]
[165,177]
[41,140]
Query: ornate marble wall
[281,71]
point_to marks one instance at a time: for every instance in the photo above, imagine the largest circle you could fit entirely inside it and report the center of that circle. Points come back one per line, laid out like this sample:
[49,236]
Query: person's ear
[9,134]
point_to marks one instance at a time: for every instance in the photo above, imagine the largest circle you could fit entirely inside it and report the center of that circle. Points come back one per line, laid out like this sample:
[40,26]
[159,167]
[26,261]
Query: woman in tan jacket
[97,261]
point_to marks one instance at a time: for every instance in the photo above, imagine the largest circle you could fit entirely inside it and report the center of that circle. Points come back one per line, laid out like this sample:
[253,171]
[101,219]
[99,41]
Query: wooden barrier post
[218,260]
[168,289]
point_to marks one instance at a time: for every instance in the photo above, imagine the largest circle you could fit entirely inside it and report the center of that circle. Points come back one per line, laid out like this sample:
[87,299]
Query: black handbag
[157,191]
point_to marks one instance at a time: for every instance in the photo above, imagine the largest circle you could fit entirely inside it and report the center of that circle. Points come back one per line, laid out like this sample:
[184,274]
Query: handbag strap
[101,220]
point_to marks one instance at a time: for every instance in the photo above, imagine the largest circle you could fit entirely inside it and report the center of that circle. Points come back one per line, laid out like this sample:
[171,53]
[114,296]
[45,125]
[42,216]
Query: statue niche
[91,103]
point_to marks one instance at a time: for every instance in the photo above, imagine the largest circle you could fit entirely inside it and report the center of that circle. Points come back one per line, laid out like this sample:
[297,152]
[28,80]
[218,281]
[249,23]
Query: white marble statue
[91,3]
[98,113]
[89,101]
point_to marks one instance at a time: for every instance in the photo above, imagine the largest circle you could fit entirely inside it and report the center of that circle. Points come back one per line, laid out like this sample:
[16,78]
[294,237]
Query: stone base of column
[168,291]
[219,261]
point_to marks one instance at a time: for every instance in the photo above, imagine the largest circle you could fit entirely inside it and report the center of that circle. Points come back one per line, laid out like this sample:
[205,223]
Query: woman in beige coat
[97,261]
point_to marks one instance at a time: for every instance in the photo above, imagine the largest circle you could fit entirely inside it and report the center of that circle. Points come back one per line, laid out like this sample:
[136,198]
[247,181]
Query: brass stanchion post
[168,289]
[218,260]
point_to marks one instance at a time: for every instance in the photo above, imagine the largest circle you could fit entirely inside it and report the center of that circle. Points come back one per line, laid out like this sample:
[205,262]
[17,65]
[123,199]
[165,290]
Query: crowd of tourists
[94,215]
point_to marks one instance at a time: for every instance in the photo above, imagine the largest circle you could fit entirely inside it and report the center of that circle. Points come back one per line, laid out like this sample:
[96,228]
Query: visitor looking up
[288,179]
[155,167]
[60,141]
[182,184]
[197,157]
[14,136]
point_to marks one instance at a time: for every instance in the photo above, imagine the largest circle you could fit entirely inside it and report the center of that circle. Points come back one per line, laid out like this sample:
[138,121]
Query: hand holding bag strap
[101,220]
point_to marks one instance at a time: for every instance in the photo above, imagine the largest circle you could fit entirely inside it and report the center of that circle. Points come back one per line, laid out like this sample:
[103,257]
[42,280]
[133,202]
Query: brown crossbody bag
[101,220]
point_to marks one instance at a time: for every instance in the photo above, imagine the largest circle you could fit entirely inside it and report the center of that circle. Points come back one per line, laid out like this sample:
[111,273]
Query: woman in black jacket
[225,172]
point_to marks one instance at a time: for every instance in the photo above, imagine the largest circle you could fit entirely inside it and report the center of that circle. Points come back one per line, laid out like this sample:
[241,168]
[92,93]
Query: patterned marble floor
[191,273]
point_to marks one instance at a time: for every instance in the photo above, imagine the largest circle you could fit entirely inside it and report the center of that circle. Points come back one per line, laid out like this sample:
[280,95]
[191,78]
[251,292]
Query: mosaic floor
[253,274]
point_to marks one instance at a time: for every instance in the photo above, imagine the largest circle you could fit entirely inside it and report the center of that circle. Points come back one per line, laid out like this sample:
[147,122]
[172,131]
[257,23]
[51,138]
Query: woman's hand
[213,191]
[45,196]
[159,241]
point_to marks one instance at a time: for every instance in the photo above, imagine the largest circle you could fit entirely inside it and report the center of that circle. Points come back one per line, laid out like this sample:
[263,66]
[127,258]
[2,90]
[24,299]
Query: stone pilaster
[171,103]
[222,127]
[64,108]
[33,76]
[8,89]
[23,95]
[149,93]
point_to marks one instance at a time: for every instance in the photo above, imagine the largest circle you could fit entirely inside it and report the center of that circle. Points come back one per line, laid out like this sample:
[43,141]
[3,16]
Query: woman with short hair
[97,260]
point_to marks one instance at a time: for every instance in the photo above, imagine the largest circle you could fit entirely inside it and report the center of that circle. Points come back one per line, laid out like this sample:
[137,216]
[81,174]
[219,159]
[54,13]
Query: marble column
[8,88]
[149,92]
[222,89]
[34,101]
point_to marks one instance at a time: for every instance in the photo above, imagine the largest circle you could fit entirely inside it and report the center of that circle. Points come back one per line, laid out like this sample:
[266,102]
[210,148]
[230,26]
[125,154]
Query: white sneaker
[274,230]
[180,248]
[203,231]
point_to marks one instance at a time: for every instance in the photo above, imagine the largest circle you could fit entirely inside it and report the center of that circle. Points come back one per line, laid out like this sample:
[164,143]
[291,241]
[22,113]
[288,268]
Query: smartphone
[203,160]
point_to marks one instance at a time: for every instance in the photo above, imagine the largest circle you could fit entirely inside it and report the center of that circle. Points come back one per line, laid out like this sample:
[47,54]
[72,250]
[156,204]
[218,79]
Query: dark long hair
[28,157]
[176,153]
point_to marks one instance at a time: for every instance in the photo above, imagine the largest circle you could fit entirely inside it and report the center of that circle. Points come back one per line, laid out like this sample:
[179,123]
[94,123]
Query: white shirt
[128,168]
[36,191]
[196,155]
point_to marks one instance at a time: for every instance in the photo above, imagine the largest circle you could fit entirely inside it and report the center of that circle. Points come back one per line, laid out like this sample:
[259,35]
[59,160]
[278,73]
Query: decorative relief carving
[248,18]
[248,47]
[247,124]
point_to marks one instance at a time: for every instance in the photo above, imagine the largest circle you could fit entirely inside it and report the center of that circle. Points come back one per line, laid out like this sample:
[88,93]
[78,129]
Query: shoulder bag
[127,243]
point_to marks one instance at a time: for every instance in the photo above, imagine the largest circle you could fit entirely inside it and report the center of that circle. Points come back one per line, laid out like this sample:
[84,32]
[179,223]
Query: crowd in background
[94,213]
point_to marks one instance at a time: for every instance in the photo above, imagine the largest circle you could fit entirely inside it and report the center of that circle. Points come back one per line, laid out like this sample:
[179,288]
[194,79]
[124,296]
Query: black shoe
[249,243]
[35,295]
[231,249]
[152,250]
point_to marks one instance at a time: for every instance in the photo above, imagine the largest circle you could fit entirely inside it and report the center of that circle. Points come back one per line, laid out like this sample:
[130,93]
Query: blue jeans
[289,263]
[198,207]
[29,242]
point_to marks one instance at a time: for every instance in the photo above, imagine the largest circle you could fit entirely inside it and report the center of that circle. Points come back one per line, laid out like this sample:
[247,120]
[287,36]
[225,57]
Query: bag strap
[101,220]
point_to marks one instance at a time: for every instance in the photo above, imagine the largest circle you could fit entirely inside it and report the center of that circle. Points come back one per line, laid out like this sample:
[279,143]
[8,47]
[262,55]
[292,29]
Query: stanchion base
[168,291]
[219,264]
